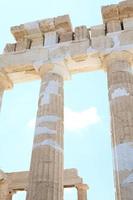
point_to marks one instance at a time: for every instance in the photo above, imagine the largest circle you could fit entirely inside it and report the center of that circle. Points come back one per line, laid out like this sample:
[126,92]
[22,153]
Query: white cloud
[79,120]
[31,123]
[76,120]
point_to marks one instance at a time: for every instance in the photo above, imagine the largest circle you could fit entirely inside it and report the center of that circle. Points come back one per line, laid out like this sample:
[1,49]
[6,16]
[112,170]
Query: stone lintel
[18,181]
[80,55]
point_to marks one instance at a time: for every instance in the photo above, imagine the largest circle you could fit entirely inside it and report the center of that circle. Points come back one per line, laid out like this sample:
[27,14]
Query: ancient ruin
[52,50]
[10,183]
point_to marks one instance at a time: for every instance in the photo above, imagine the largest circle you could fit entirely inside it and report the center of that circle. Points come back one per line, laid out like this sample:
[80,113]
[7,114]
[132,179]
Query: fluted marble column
[82,191]
[46,171]
[120,84]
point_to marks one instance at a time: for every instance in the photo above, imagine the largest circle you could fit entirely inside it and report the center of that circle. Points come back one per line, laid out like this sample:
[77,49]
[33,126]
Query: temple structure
[10,183]
[51,50]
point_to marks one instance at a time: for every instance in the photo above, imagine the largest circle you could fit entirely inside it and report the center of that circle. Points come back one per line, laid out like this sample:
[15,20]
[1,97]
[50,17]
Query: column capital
[53,67]
[5,82]
[82,186]
[123,56]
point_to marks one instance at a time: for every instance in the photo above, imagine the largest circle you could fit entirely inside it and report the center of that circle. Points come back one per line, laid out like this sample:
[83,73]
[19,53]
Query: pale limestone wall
[120,83]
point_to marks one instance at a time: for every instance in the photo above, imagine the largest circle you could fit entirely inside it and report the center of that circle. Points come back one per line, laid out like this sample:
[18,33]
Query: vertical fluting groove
[46,171]
[120,84]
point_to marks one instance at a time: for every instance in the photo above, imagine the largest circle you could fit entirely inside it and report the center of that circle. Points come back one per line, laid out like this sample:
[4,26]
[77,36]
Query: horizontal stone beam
[18,180]
[79,56]
[53,40]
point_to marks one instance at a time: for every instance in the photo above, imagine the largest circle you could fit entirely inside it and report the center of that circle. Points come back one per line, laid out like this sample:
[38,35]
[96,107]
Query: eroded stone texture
[46,172]
[110,13]
[10,48]
[125,9]
[32,35]
[102,42]
[85,54]
[63,24]
[50,38]
[98,30]
[23,45]
[126,38]
[120,11]
[18,181]
[65,37]
[19,32]
[5,84]
[114,26]
[128,23]
[5,193]
[81,32]
[82,191]
[47,25]
[120,83]
[78,50]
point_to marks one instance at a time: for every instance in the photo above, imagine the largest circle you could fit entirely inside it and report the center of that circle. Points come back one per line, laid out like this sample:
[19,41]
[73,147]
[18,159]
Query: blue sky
[87,144]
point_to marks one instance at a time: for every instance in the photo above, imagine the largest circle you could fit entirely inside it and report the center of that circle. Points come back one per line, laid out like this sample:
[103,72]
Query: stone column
[82,191]
[5,84]
[46,171]
[120,86]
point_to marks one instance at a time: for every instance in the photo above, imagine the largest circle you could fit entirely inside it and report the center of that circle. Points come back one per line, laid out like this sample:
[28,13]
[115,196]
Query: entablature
[54,41]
